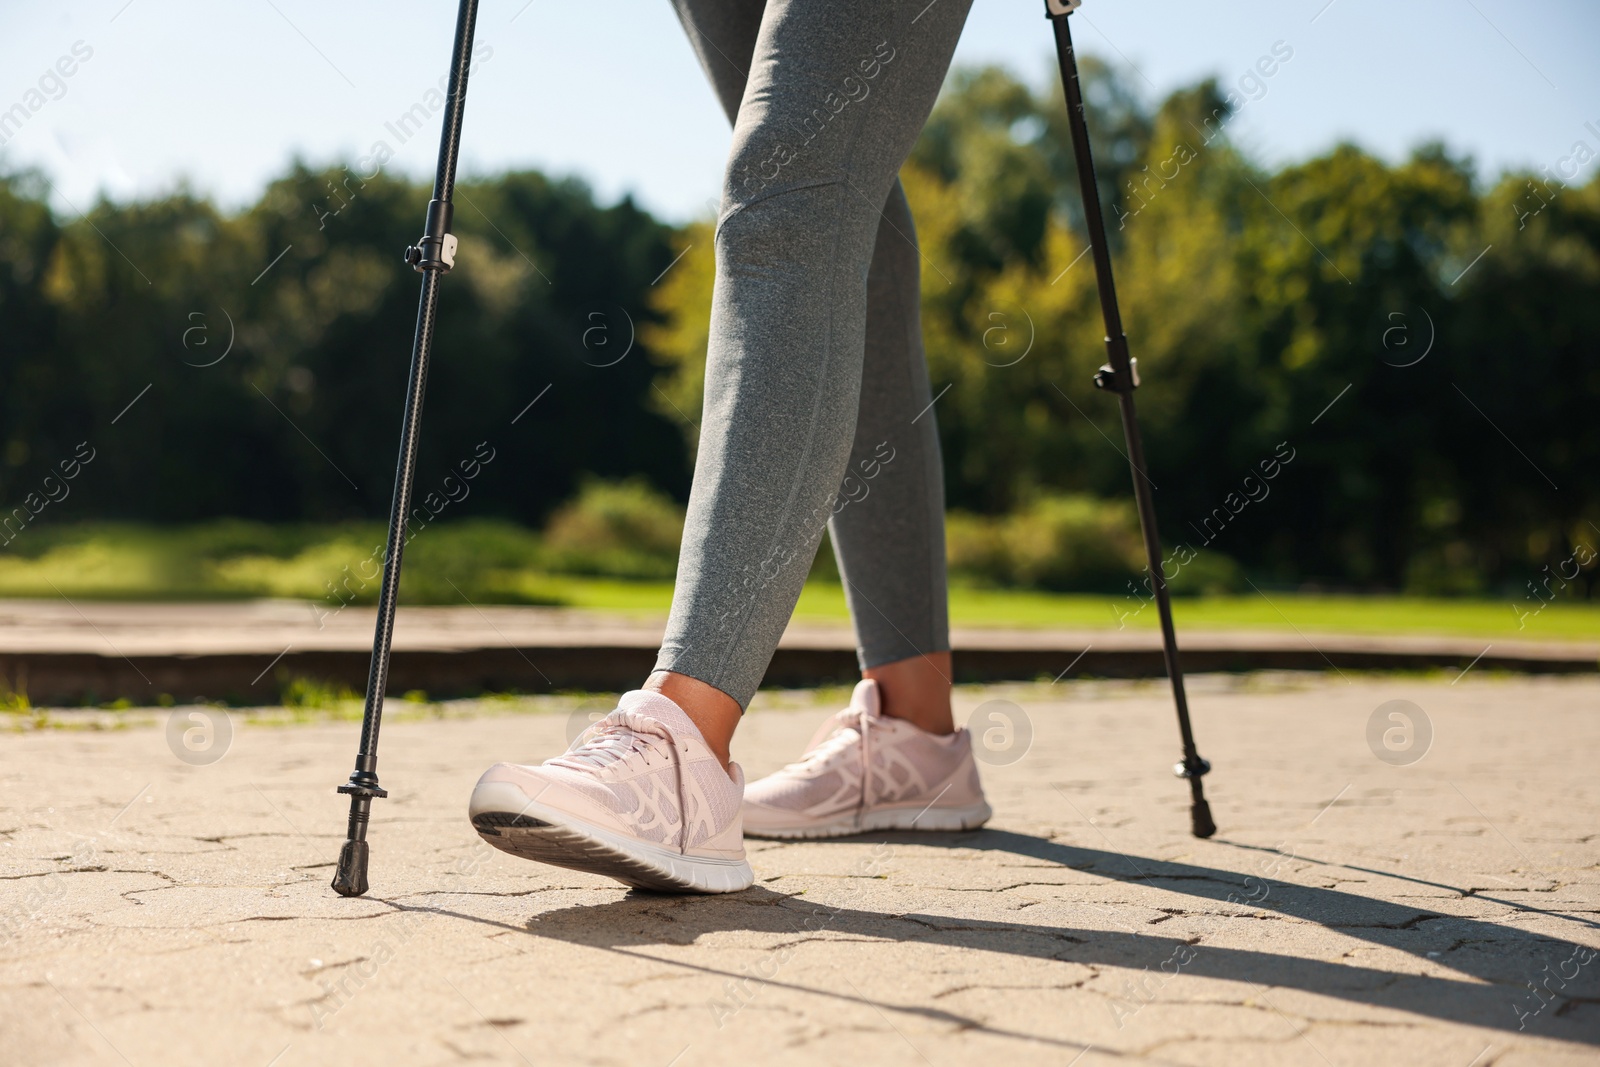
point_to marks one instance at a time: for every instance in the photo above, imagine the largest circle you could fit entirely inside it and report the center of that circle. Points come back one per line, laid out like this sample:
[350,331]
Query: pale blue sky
[222,94]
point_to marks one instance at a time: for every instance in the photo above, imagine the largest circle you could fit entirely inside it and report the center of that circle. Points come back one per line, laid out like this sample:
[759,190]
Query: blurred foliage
[332,564]
[621,529]
[1438,406]
[1057,543]
[1422,344]
[299,419]
[679,336]
[312,694]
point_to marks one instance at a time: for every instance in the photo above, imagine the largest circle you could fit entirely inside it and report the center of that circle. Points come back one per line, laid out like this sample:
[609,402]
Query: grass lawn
[496,563]
[824,602]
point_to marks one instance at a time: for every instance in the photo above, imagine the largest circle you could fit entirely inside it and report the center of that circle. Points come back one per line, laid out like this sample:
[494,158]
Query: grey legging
[817,404]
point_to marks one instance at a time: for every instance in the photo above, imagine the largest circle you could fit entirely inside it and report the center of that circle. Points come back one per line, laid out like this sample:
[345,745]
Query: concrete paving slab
[1352,909]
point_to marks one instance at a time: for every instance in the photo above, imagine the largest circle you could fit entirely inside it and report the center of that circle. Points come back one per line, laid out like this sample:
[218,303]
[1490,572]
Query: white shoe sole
[505,817]
[897,818]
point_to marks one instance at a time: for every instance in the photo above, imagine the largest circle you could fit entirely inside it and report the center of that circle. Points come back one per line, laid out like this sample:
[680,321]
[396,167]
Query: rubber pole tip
[1199,818]
[350,876]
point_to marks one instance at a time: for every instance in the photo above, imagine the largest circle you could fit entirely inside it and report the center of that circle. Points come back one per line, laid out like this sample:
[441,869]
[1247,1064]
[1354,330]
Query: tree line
[1408,348]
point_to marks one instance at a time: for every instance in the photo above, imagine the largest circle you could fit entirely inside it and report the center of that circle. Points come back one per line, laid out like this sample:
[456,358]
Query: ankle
[917,690]
[714,713]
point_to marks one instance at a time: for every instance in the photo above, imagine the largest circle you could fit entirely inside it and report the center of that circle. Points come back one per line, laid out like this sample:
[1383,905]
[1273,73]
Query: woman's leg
[835,96]
[723,35]
[888,527]
[834,99]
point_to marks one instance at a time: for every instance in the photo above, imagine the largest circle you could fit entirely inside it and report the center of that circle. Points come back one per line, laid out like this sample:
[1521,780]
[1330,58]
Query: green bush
[479,560]
[619,529]
[1208,573]
[1452,569]
[1062,543]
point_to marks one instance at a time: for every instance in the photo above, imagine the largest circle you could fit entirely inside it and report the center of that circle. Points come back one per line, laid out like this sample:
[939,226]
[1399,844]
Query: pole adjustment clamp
[437,249]
[1106,377]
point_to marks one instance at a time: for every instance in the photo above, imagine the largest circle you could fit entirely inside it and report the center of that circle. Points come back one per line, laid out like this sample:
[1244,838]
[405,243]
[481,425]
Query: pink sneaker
[638,797]
[918,780]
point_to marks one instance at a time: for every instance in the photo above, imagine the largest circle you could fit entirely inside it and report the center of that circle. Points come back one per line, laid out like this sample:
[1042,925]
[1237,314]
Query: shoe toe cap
[546,793]
[507,787]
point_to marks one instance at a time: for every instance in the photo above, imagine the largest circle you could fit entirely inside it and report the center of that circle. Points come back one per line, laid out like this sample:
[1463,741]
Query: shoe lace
[608,742]
[845,730]
[620,736]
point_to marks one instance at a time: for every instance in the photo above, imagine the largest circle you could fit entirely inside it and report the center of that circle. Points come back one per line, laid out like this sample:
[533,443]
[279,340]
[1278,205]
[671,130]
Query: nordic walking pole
[1120,376]
[433,256]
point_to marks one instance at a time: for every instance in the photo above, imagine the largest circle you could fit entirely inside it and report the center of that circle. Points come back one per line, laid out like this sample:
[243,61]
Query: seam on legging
[780,191]
[848,157]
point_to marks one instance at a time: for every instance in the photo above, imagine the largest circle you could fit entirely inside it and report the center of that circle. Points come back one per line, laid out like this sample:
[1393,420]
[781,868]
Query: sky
[220,96]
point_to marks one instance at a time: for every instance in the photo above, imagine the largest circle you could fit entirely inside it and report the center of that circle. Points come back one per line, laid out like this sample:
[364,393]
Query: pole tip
[1200,819]
[350,876]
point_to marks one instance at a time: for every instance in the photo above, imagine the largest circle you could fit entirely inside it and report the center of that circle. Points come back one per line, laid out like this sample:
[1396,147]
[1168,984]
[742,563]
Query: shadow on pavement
[1500,964]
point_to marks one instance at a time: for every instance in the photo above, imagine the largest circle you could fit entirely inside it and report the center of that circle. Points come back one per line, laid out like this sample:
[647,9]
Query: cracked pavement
[1349,911]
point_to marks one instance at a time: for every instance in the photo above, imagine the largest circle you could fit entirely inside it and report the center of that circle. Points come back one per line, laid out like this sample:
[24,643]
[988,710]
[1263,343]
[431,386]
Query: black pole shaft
[433,259]
[1193,767]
